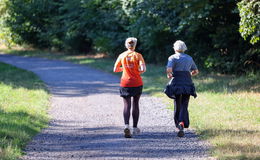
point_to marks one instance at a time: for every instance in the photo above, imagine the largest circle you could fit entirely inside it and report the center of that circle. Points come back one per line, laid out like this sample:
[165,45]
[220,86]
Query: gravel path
[87,120]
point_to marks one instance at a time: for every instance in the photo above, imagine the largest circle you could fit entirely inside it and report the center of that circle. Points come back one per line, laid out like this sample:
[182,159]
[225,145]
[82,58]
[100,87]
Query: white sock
[127,126]
[136,130]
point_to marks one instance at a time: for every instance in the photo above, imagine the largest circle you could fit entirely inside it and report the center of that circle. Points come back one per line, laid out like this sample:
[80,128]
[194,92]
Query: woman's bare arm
[169,72]
[118,69]
[118,65]
[142,68]
[194,72]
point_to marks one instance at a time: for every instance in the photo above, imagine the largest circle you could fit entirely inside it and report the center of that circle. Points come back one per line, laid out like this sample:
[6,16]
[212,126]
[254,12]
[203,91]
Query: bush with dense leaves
[209,28]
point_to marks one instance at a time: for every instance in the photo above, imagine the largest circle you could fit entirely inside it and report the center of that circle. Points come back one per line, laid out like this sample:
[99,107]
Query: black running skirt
[130,91]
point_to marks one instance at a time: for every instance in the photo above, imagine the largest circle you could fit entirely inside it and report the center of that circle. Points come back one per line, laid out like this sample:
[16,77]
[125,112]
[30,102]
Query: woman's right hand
[169,72]
[169,75]
[194,72]
[142,68]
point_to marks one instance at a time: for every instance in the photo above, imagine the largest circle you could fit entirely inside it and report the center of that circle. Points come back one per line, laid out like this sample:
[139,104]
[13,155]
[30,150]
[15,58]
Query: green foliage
[106,25]
[5,33]
[249,11]
[209,28]
[29,20]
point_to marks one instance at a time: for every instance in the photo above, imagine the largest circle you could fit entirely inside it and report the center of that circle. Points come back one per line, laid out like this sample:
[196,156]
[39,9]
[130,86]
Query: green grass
[23,104]
[225,113]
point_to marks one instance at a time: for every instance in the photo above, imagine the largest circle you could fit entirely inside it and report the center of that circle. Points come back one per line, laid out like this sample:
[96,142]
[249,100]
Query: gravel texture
[87,119]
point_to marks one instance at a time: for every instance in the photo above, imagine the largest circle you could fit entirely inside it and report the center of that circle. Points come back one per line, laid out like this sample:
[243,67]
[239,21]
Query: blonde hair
[130,42]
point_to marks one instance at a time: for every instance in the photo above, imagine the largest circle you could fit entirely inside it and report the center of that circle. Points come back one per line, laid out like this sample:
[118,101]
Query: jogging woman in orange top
[132,65]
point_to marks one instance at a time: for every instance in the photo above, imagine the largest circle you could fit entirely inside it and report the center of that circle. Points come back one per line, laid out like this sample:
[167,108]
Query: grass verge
[23,104]
[226,112]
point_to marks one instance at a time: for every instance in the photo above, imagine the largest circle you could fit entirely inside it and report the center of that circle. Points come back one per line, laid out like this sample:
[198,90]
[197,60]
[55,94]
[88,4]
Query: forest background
[221,35]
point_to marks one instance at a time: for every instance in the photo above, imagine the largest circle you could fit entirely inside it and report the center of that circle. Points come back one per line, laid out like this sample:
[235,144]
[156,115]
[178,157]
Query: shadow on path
[108,142]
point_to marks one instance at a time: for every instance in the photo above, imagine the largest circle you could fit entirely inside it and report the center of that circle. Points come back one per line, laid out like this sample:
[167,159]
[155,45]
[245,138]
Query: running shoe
[181,130]
[127,133]
[136,131]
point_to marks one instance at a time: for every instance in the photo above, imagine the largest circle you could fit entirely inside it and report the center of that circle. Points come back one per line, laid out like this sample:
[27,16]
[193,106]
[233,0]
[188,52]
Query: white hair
[133,39]
[180,46]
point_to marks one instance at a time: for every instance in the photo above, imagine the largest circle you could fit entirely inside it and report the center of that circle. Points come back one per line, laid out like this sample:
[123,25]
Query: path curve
[87,120]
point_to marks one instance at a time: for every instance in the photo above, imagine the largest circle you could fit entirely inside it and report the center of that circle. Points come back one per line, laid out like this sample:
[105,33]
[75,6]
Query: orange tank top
[130,62]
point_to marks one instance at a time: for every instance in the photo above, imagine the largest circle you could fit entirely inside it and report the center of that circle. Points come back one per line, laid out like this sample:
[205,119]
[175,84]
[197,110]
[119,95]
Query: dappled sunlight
[221,37]
[22,80]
